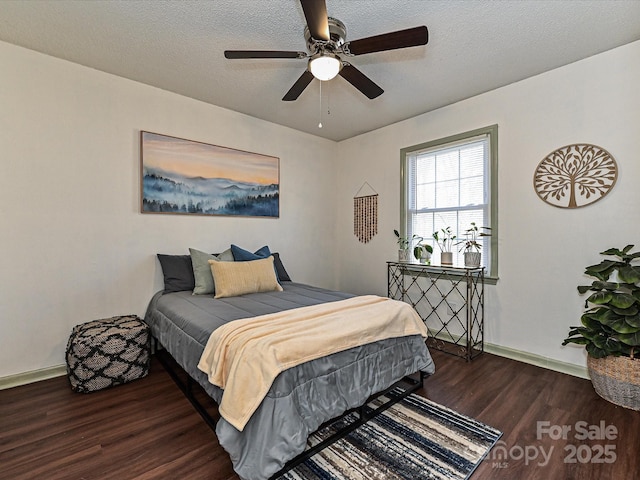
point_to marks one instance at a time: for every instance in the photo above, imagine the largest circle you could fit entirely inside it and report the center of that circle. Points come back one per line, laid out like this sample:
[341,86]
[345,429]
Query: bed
[300,398]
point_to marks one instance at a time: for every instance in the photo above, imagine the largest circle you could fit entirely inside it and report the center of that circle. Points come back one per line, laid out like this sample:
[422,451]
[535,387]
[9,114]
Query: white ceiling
[474,46]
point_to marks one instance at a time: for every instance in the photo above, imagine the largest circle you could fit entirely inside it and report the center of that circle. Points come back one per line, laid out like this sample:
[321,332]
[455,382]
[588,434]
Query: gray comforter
[301,398]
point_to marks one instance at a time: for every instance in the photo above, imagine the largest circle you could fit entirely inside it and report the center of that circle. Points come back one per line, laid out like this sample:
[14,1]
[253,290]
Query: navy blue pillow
[242,255]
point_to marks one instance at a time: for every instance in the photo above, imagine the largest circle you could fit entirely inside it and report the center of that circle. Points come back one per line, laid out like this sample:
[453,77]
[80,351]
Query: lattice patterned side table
[450,300]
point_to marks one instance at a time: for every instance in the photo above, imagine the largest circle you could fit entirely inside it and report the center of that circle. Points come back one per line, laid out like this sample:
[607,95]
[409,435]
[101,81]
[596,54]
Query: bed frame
[364,413]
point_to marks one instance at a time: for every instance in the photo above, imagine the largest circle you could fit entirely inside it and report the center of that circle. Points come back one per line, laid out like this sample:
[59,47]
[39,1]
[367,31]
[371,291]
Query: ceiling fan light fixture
[325,66]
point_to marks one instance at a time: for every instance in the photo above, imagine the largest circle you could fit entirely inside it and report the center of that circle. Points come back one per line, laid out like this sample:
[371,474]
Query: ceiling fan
[326,43]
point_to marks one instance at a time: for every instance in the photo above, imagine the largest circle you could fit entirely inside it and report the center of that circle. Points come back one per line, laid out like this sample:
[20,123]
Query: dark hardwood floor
[148,430]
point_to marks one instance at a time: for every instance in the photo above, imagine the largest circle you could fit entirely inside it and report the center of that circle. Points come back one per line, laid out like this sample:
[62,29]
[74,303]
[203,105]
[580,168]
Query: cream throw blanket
[243,357]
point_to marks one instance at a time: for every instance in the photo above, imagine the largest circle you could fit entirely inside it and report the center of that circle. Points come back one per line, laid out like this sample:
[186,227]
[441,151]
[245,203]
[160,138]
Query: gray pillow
[202,271]
[283,276]
[178,272]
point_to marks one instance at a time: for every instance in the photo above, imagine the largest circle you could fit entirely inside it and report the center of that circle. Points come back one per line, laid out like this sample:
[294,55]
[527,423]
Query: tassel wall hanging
[365,215]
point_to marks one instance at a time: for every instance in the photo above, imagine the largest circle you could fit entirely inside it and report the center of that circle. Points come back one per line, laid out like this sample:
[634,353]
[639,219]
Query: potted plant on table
[404,242]
[610,328]
[471,245]
[422,252]
[444,238]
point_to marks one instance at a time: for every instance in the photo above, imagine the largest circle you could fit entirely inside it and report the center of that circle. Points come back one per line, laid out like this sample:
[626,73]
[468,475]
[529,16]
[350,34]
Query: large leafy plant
[611,323]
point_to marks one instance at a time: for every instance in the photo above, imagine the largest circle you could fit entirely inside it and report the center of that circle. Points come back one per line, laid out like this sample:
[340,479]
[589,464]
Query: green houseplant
[471,245]
[444,238]
[610,330]
[404,242]
[422,252]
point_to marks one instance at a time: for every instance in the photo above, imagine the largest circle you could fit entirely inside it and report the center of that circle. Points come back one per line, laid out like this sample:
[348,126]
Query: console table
[450,301]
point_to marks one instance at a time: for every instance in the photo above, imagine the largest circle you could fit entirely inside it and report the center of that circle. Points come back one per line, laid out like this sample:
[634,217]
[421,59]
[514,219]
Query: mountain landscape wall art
[187,177]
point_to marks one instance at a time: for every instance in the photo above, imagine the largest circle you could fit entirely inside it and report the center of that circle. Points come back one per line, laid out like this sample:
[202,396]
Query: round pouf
[108,352]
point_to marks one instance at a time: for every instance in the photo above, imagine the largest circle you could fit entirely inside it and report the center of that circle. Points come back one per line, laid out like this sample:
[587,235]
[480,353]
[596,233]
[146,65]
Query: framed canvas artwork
[193,178]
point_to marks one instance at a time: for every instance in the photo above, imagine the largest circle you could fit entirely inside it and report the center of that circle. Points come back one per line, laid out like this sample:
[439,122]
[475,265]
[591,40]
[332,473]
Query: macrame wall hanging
[365,214]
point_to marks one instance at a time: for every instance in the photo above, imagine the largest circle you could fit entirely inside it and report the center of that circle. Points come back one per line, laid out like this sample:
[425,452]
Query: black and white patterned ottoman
[108,352]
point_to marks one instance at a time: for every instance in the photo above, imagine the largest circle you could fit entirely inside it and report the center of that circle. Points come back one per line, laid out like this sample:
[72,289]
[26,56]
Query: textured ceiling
[474,47]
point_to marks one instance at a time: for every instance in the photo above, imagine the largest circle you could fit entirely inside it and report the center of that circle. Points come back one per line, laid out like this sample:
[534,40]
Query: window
[450,183]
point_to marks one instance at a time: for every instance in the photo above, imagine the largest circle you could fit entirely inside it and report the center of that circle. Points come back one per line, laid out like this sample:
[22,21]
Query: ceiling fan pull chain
[320,110]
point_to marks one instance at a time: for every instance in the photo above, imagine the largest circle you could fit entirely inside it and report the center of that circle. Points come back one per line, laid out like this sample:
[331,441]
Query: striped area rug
[414,439]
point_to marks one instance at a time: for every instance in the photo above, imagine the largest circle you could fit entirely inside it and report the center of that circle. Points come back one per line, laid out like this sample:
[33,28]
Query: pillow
[242,255]
[177,272]
[203,281]
[225,256]
[238,278]
[283,276]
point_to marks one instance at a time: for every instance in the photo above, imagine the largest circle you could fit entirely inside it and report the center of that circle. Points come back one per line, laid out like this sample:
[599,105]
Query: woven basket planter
[616,379]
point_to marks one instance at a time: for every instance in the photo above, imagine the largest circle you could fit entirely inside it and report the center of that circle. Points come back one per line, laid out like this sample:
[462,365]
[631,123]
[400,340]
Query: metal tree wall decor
[575,175]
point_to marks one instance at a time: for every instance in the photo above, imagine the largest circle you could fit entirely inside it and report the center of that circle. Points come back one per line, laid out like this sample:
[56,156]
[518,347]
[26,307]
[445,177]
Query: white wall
[75,246]
[542,249]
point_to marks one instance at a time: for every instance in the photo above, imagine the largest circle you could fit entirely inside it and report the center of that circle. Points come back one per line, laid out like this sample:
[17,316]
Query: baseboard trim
[538,360]
[530,358]
[32,376]
[519,355]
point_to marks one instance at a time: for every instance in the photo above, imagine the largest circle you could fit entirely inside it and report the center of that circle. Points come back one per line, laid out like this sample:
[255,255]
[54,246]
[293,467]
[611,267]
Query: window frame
[492,133]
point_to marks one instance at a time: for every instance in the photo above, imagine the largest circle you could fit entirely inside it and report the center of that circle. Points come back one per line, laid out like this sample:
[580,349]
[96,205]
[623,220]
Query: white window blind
[448,185]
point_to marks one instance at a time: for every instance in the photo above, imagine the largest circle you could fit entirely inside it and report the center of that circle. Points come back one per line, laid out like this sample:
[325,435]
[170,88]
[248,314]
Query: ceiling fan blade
[410,37]
[298,87]
[359,80]
[315,11]
[239,54]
